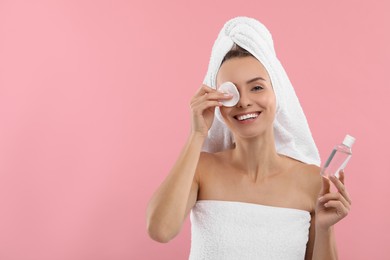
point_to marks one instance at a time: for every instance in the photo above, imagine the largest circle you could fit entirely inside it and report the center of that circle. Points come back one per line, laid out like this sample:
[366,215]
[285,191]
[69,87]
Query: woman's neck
[257,156]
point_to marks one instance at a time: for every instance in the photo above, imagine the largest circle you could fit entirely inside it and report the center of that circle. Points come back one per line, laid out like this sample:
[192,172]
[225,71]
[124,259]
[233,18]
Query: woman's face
[255,111]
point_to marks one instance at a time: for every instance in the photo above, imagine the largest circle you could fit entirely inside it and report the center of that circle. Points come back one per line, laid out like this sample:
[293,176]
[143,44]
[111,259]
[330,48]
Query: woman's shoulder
[206,157]
[207,160]
[309,179]
[211,162]
[308,174]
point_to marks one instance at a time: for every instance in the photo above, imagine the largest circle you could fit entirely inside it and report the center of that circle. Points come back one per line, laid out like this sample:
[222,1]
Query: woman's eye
[257,88]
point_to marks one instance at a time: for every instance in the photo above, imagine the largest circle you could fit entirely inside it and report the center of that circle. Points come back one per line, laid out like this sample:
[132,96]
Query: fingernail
[320,199]
[227,94]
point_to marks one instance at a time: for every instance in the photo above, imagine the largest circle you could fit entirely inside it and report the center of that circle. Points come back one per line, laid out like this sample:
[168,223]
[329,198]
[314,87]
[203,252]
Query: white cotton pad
[229,87]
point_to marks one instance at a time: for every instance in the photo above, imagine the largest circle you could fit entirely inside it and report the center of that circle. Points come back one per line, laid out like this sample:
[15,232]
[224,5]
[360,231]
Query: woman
[258,192]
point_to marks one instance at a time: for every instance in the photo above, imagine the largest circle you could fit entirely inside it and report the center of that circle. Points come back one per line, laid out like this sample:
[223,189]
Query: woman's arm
[174,198]
[331,208]
[168,207]
[325,243]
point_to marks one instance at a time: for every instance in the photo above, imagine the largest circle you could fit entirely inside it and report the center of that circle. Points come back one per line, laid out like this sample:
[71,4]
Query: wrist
[324,230]
[198,136]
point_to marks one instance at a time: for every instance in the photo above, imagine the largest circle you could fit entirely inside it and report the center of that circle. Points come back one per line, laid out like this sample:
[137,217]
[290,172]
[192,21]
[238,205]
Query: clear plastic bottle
[339,158]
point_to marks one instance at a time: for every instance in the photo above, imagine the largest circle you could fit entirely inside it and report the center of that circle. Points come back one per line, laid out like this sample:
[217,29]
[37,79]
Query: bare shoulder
[206,158]
[210,164]
[310,175]
[310,180]
[209,159]
[206,161]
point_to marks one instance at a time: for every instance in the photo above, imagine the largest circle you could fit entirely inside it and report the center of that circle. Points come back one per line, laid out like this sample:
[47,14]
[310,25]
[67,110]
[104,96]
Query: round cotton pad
[229,87]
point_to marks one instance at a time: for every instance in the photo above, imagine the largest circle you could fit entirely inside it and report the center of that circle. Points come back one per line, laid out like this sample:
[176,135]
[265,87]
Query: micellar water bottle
[339,158]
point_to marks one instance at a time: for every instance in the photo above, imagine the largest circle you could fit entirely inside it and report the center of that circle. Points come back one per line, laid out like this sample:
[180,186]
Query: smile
[248,116]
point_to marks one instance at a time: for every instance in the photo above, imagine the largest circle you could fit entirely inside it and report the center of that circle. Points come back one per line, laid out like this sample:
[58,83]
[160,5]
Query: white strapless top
[239,230]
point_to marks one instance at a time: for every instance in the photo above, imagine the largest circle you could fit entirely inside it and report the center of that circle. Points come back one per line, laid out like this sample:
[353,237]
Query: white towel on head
[292,134]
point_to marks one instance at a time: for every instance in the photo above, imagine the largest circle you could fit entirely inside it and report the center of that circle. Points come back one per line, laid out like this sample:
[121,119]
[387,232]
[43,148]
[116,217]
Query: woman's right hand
[203,105]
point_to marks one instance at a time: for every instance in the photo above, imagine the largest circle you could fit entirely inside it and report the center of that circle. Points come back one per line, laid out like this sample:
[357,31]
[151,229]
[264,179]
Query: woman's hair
[236,52]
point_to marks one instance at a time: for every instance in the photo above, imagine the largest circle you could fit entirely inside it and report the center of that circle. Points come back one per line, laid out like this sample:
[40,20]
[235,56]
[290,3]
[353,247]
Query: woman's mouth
[247,118]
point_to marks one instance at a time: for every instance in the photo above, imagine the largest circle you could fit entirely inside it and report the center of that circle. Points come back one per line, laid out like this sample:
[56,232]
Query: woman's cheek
[224,112]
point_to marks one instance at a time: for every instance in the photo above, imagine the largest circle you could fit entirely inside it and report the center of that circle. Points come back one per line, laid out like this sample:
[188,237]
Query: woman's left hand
[332,206]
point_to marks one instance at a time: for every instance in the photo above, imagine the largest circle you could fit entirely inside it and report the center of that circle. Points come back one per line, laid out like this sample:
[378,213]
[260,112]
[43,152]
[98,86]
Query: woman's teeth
[247,116]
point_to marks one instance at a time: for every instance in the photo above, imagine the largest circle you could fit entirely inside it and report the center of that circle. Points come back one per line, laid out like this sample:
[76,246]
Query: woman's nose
[244,101]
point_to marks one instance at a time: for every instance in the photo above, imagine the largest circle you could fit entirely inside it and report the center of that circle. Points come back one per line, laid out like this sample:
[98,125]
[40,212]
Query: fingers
[207,97]
[341,210]
[341,176]
[203,90]
[335,197]
[199,106]
[339,201]
[339,183]
[211,93]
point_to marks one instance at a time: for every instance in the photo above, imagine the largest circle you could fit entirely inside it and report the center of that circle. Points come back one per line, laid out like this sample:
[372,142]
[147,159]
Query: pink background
[94,110]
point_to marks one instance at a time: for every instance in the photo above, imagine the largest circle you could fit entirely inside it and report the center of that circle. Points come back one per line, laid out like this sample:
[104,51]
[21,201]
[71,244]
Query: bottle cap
[229,87]
[348,141]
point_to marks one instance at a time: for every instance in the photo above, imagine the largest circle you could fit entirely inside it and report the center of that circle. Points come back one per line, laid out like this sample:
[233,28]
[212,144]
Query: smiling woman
[256,93]
[250,178]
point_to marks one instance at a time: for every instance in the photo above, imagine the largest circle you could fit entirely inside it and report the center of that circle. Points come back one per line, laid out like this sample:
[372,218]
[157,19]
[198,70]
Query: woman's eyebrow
[254,79]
